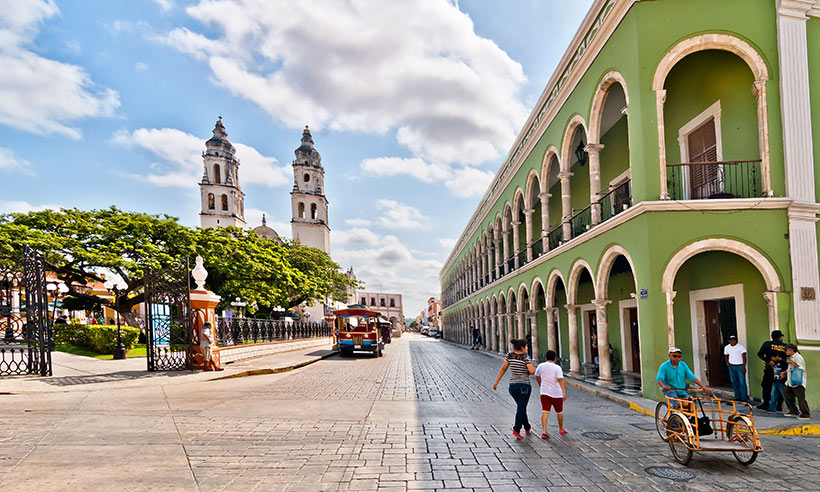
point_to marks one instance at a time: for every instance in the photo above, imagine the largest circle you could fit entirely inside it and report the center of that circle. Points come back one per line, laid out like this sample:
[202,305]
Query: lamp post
[117,287]
[56,290]
[239,303]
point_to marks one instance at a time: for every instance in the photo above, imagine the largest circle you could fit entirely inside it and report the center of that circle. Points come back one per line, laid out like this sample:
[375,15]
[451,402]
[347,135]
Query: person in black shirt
[476,339]
[769,348]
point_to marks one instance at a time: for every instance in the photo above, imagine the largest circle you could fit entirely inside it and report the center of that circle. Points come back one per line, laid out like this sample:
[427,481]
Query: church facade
[223,203]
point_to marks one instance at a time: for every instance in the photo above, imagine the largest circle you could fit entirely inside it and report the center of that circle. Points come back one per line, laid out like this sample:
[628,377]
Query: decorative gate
[168,318]
[24,321]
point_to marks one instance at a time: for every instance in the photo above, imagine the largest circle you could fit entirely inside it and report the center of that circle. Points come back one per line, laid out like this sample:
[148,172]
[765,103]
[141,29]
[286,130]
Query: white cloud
[141,66]
[40,95]
[10,162]
[21,207]
[463,181]
[384,261]
[180,156]
[416,68]
[395,215]
[358,222]
[164,4]
[447,243]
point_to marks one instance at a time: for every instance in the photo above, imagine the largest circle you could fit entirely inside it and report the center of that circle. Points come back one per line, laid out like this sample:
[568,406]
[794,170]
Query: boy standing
[550,378]
[779,367]
[735,355]
[796,383]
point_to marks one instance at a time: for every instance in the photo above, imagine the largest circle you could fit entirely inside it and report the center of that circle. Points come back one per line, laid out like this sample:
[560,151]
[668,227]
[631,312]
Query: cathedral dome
[266,232]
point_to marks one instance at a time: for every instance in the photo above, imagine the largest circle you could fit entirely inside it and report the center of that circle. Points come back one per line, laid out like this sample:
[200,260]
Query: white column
[491,340]
[15,302]
[506,248]
[528,221]
[545,220]
[500,328]
[670,317]
[566,203]
[509,320]
[594,152]
[521,325]
[574,349]
[604,364]
[533,315]
[497,254]
[798,150]
[516,243]
[552,336]
[660,99]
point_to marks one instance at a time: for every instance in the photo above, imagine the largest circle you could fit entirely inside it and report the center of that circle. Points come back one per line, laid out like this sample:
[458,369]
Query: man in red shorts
[551,379]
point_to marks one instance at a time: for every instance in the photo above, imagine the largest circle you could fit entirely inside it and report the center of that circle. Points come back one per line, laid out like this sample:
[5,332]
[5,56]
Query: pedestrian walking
[553,394]
[476,339]
[735,355]
[796,384]
[205,341]
[780,366]
[769,347]
[521,367]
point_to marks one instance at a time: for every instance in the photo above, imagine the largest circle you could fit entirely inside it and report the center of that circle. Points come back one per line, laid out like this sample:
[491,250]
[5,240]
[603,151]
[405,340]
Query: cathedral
[223,202]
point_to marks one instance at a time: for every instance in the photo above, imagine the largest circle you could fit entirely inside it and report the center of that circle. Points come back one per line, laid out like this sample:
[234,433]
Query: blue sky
[413,106]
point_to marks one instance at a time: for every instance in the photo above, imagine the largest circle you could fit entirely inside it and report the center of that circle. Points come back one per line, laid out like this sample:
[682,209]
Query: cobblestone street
[423,417]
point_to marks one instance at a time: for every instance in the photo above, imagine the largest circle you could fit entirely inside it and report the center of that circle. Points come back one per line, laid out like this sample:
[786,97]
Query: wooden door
[714,354]
[635,339]
[702,147]
[592,323]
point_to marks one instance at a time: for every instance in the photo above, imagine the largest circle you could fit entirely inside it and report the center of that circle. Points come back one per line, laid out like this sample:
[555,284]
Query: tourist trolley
[707,424]
[359,330]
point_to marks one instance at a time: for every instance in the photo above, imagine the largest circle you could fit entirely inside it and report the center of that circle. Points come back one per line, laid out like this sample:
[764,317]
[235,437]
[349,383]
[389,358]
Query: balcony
[522,257]
[714,179]
[555,236]
[618,199]
[581,221]
[537,248]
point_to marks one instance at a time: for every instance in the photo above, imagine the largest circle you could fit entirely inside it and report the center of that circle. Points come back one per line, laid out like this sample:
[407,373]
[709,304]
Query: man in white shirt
[735,355]
[550,378]
[205,342]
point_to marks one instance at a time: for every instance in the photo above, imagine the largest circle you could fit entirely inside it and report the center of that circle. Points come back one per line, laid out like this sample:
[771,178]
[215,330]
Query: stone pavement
[79,373]
[423,417]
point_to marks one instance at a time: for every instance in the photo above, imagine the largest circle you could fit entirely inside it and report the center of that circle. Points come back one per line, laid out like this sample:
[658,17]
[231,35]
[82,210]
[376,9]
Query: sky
[413,106]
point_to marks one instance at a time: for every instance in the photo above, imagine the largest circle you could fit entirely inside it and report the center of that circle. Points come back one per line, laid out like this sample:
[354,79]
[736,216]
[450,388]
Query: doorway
[630,335]
[717,313]
[592,336]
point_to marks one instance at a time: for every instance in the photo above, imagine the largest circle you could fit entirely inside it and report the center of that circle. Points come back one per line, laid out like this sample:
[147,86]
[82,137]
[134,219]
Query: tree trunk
[131,319]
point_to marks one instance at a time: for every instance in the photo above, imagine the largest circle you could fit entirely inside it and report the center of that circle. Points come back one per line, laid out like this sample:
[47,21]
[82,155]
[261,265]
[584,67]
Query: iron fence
[243,331]
[714,179]
[556,236]
[537,248]
[522,257]
[511,264]
[581,221]
[616,200]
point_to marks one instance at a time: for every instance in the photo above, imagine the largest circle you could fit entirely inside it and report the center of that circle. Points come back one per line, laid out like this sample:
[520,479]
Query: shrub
[99,338]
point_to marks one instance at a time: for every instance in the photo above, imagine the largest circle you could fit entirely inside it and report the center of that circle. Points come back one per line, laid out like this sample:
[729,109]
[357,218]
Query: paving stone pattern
[423,417]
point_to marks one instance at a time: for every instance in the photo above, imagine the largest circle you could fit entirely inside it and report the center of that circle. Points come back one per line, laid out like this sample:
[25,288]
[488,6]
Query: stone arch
[536,283]
[512,300]
[519,193]
[545,166]
[605,266]
[522,293]
[753,59]
[574,123]
[598,100]
[575,276]
[552,285]
[531,194]
[751,254]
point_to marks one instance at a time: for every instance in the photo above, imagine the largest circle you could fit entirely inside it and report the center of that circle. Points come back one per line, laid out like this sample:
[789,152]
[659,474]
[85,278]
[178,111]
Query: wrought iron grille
[714,179]
[555,236]
[581,221]
[241,331]
[168,314]
[615,201]
[24,321]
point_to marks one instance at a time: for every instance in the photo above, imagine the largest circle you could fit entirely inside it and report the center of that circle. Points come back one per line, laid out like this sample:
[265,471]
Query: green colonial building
[664,191]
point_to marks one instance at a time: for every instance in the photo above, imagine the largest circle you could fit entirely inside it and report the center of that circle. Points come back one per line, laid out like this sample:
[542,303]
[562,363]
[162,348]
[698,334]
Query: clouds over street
[38,94]
[461,181]
[180,159]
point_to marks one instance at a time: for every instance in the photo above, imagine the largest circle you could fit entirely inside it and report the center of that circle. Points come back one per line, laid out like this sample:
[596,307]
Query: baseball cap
[675,350]
[732,337]
[207,323]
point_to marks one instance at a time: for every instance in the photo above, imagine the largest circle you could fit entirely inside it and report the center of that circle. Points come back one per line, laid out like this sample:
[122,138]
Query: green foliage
[72,303]
[100,338]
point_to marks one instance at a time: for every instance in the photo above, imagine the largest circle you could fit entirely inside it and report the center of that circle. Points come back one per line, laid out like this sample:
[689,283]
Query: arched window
[217,174]
[392,303]
[224,202]
[301,212]
[307,177]
[313,211]
[211,201]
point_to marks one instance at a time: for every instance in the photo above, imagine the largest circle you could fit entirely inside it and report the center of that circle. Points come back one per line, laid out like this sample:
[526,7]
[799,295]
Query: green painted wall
[555,205]
[615,155]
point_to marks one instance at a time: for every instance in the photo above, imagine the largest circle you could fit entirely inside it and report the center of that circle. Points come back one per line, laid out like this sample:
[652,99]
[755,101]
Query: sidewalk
[79,373]
[765,422]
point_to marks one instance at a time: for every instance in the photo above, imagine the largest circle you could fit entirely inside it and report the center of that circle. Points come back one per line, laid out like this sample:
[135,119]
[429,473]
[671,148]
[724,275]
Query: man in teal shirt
[673,375]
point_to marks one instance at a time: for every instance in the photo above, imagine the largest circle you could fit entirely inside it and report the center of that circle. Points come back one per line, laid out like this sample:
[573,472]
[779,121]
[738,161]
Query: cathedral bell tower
[223,203]
[309,224]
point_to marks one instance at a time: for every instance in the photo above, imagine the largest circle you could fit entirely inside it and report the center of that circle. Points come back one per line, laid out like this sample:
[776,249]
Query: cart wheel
[743,434]
[678,435]
[661,410]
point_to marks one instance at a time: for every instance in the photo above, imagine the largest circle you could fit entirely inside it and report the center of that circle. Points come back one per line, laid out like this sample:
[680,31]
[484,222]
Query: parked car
[434,332]
[425,330]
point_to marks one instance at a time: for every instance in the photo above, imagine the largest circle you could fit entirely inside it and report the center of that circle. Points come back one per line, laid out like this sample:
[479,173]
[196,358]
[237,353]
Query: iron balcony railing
[241,331]
[714,179]
[537,248]
[556,236]
[511,264]
[522,257]
[615,201]
[581,221]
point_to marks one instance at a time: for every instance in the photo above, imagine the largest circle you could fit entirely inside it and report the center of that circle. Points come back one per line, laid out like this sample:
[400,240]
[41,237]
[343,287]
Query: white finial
[199,273]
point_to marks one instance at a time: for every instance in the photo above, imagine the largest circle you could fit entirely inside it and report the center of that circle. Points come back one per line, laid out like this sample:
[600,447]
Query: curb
[782,430]
[274,370]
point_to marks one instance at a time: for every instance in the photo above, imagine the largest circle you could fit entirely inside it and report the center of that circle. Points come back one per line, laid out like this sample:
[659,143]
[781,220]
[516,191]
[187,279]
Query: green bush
[99,338]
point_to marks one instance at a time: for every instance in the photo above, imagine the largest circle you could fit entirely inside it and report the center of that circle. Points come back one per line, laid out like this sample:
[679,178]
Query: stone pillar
[574,348]
[492,342]
[203,304]
[506,248]
[594,152]
[759,90]
[566,203]
[533,315]
[552,336]
[670,317]
[528,229]
[521,322]
[516,242]
[660,99]
[604,362]
[15,301]
[509,334]
[497,254]
[545,220]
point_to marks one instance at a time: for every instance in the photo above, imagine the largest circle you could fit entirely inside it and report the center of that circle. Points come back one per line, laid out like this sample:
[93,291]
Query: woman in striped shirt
[520,365]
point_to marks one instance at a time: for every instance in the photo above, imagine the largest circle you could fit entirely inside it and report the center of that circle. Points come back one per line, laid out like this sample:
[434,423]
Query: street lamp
[56,290]
[117,287]
[239,303]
